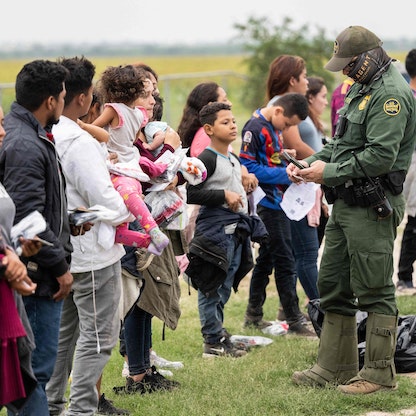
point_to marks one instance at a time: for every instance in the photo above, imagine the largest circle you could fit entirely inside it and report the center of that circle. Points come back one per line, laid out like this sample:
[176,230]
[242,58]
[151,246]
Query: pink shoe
[159,241]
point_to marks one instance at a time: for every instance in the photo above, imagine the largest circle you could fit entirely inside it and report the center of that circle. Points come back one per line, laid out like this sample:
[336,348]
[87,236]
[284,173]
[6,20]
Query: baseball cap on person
[349,43]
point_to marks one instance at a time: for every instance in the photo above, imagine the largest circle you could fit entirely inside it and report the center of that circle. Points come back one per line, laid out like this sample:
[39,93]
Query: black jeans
[276,254]
[138,339]
[408,251]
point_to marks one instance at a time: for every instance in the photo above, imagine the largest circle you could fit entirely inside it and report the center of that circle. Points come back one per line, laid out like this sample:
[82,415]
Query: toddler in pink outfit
[121,87]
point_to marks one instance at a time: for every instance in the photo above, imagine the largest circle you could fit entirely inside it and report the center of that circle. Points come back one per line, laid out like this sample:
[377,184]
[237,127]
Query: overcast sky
[187,21]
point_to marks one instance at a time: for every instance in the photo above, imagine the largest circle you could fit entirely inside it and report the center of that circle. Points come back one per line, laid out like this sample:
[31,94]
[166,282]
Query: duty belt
[358,191]
[349,191]
[354,192]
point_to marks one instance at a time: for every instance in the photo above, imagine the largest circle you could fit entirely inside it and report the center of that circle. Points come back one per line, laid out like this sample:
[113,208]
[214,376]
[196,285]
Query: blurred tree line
[263,42]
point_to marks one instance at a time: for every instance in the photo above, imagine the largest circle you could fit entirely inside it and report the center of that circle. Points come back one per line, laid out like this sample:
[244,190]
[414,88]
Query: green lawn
[257,384]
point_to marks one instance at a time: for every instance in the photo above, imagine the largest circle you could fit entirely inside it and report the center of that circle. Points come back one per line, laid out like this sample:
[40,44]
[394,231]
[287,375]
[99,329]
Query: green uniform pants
[356,269]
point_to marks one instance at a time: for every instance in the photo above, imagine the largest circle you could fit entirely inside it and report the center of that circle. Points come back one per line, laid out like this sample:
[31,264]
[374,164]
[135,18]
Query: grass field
[256,385]
[163,65]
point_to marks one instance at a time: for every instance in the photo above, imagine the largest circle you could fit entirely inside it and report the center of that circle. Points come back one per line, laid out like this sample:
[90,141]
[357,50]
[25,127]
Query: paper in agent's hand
[299,199]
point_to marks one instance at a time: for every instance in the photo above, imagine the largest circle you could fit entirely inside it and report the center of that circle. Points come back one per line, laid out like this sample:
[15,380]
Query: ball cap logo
[351,42]
[336,47]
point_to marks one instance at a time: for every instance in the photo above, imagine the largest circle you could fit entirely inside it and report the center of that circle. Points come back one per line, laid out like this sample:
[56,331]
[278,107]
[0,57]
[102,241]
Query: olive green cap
[349,43]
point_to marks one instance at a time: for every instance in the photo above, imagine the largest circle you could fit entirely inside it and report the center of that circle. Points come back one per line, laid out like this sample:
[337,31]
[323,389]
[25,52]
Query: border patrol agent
[362,169]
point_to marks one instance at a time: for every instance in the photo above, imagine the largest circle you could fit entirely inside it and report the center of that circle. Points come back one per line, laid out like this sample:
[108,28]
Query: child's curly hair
[122,84]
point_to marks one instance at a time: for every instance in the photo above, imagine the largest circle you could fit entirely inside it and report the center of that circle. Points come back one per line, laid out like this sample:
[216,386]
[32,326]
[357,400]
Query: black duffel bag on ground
[405,355]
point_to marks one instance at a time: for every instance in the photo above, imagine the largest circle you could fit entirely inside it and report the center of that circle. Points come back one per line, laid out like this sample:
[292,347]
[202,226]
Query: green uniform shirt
[381,130]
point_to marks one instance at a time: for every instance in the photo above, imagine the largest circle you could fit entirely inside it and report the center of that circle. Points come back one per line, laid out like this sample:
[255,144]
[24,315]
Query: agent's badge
[392,107]
[364,102]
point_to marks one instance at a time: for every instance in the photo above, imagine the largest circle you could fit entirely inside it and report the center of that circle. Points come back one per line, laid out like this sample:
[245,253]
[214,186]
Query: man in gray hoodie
[90,312]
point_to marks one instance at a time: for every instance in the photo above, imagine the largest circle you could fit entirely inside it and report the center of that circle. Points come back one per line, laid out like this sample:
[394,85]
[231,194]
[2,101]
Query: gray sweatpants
[89,320]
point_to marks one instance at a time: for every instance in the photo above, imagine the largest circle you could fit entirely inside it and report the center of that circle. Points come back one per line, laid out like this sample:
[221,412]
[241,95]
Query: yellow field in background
[175,91]
[163,65]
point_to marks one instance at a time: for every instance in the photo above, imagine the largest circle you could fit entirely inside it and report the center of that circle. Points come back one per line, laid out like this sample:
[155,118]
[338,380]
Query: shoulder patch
[247,137]
[392,107]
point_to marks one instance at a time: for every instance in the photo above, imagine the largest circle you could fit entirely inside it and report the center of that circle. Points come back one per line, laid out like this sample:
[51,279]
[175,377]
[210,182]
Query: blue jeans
[275,254]
[305,245]
[44,316]
[138,339]
[211,310]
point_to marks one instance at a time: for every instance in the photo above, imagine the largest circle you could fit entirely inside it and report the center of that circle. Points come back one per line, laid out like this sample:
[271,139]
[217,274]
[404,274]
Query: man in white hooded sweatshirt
[90,314]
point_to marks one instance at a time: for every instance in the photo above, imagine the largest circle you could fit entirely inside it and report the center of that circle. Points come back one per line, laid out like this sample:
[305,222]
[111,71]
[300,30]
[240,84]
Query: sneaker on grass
[165,373]
[152,381]
[281,316]
[125,371]
[404,287]
[303,329]
[256,324]
[228,342]
[404,284]
[222,349]
[156,377]
[131,387]
[161,362]
[106,407]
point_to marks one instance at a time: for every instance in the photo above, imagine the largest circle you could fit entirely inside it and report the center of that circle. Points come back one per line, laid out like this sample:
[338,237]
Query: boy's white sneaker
[161,362]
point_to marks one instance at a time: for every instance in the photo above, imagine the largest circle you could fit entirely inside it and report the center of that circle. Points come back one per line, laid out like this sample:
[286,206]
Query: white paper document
[254,198]
[299,199]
